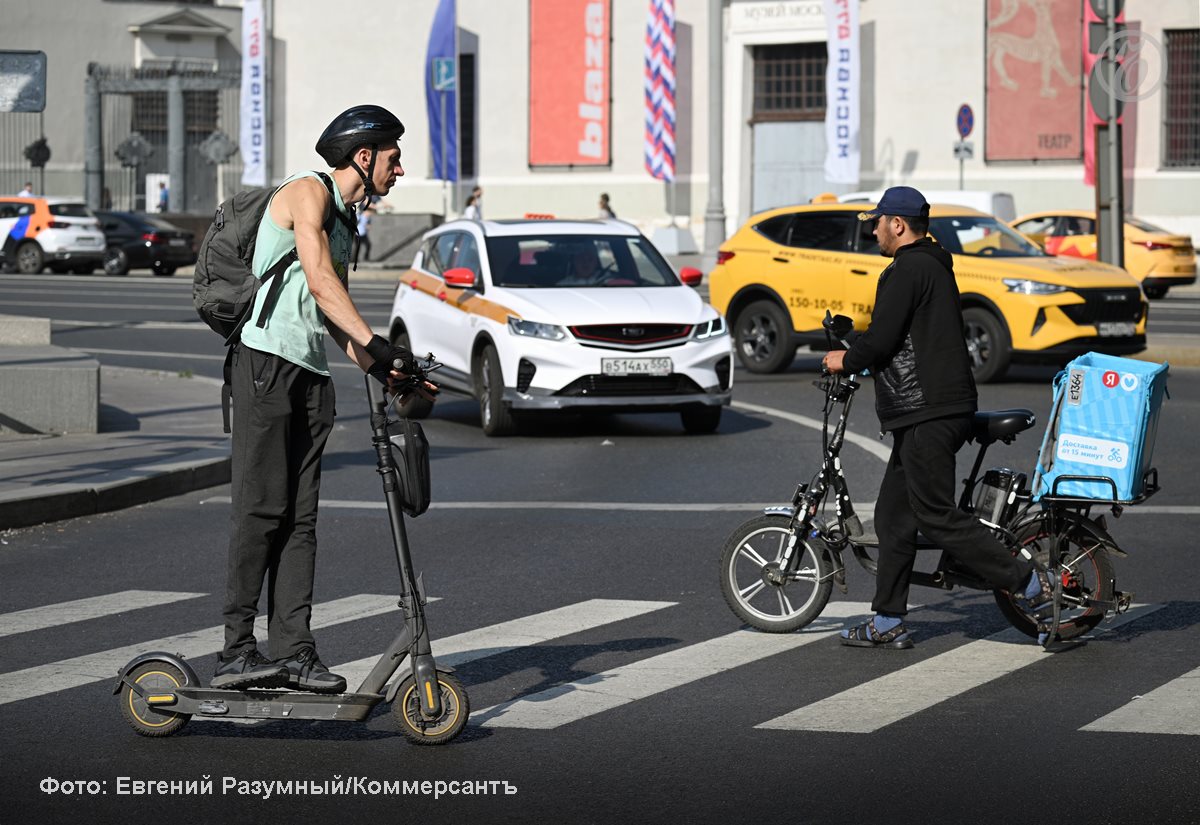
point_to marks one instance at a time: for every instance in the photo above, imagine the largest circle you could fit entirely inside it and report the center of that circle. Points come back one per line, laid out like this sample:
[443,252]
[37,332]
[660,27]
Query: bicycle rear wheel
[1086,570]
[752,554]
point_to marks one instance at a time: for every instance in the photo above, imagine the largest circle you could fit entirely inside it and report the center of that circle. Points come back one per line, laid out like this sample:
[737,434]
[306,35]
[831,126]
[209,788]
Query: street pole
[1117,208]
[714,212]
[93,139]
[445,209]
[176,142]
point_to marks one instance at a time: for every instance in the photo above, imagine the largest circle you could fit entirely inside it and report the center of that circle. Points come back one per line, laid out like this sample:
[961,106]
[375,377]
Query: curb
[116,490]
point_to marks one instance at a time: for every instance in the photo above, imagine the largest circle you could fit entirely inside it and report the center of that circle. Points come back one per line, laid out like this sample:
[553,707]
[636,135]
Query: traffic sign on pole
[443,74]
[965,120]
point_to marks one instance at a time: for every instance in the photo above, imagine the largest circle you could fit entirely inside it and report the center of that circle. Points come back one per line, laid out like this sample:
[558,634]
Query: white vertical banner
[253,138]
[841,92]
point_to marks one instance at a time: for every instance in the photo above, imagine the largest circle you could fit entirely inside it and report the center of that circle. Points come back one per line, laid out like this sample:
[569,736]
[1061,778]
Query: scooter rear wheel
[753,555]
[147,719]
[419,729]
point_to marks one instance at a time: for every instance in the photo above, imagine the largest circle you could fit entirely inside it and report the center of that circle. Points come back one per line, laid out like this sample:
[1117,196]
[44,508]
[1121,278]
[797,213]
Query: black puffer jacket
[915,344]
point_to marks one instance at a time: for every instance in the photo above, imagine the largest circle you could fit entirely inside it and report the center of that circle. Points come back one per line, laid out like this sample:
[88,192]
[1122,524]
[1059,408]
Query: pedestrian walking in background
[362,241]
[605,209]
[474,208]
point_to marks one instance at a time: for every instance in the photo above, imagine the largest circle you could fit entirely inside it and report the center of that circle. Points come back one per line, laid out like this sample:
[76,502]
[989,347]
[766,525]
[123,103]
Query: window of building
[789,81]
[466,111]
[1181,127]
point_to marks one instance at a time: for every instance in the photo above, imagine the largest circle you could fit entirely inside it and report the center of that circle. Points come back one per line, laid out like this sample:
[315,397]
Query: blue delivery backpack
[1102,428]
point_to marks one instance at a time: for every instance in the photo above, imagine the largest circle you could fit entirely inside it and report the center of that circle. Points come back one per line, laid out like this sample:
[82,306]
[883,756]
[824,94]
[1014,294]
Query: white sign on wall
[253,137]
[841,92]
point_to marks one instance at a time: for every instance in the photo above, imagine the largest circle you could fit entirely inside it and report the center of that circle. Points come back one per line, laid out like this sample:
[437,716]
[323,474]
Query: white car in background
[562,315]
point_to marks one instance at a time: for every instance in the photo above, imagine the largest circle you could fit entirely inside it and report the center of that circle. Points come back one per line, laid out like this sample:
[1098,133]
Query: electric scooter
[159,692]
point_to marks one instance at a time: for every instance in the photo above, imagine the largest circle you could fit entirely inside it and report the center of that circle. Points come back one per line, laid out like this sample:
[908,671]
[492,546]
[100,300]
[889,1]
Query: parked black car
[135,240]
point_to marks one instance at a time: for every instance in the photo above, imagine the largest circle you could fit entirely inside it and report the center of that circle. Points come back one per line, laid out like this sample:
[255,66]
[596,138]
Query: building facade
[920,63]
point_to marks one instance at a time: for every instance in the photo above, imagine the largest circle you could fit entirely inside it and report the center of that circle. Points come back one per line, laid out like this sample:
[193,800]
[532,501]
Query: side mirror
[691,276]
[839,326]
[460,277]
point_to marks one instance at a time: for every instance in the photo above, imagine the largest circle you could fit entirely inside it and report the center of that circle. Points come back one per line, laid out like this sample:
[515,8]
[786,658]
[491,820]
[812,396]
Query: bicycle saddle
[1000,425]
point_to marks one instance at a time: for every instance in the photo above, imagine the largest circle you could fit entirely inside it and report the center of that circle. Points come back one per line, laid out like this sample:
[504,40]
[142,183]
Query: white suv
[562,315]
[61,233]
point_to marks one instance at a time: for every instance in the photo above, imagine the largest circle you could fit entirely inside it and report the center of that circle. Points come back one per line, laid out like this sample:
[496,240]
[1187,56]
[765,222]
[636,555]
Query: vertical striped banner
[660,90]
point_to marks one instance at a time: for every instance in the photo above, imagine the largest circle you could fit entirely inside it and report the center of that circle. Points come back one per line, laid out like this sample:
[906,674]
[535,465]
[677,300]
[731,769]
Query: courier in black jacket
[925,396]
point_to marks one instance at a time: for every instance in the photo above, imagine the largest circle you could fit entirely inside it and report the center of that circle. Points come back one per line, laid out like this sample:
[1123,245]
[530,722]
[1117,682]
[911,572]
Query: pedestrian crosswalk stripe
[79,610]
[875,704]
[95,667]
[604,691]
[524,632]
[1172,708]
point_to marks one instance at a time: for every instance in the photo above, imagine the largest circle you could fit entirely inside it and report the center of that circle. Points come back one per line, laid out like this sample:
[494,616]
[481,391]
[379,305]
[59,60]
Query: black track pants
[282,417]
[919,493]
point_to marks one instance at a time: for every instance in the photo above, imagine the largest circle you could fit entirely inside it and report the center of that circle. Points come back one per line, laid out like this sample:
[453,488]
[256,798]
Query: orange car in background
[1156,257]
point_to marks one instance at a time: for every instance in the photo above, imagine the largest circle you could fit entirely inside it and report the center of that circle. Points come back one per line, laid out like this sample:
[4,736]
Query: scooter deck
[215,703]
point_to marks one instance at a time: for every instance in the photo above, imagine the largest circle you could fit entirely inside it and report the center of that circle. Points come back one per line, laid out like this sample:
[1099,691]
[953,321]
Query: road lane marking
[646,506]
[878,703]
[586,697]
[872,445]
[80,610]
[95,667]
[527,631]
[1172,708]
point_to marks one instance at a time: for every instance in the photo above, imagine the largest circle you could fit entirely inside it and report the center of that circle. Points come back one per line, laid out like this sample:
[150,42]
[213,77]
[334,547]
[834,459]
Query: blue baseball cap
[902,201]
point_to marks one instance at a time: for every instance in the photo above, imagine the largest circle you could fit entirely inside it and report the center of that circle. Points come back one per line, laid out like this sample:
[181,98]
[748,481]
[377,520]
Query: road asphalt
[161,435]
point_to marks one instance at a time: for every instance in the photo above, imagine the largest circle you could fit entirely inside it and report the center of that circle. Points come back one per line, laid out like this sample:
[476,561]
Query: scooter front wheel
[144,717]
[754,588]
[421,730]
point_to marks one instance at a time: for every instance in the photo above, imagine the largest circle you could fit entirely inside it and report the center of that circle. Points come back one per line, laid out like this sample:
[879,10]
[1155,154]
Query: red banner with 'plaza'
[569,82]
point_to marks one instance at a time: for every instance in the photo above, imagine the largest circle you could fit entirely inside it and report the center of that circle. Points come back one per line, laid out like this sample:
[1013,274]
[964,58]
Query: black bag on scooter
[410,451]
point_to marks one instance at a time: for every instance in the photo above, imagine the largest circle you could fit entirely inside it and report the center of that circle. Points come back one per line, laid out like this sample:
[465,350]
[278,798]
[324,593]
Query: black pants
[282,417]
[918,493]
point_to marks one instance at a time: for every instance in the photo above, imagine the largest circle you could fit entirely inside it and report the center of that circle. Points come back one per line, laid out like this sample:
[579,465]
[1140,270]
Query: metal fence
[135,101]
[17,131]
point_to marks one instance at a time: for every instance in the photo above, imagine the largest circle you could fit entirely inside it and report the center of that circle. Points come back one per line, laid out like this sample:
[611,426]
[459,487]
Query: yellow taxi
[1158,258]
[778,274]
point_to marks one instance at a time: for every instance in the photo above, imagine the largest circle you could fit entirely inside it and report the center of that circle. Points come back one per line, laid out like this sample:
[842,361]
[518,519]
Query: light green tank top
[295,328]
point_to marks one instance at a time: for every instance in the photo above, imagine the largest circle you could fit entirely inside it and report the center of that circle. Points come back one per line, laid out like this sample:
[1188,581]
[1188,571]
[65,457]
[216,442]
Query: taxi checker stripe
[600,692]
[526,631]
[96,667]
[456,297]
[875,704]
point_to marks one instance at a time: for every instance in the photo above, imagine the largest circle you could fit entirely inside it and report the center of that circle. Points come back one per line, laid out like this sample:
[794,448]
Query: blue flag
[441,92]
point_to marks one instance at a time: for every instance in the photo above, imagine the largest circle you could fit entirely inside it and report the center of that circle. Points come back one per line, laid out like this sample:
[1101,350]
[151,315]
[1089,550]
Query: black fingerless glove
[387,357]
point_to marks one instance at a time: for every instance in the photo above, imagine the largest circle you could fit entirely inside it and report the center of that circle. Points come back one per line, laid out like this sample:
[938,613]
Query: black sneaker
[249,669]
[305,672]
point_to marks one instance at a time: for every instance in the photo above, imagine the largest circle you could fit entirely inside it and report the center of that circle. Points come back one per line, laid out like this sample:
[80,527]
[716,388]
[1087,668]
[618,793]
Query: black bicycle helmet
[359,126]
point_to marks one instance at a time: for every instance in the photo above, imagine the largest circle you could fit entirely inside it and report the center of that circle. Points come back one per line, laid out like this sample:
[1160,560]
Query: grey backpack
[224,286]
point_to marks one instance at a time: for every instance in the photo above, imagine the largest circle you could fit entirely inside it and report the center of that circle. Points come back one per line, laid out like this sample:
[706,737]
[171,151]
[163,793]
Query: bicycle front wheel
[751,557]
[1086,571]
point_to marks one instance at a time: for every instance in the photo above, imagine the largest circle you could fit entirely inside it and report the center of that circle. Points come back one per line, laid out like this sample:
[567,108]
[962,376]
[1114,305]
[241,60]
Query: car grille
[608,385]
[631,336]
[1102,305]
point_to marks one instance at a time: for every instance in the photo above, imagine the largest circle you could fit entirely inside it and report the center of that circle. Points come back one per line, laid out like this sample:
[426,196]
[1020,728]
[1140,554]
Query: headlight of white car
[532,329]
[1032,287]
[710,329]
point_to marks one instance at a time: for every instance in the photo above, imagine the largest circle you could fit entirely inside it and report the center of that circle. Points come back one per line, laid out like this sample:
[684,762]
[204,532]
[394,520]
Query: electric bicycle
[778,569]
